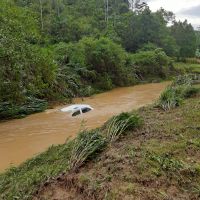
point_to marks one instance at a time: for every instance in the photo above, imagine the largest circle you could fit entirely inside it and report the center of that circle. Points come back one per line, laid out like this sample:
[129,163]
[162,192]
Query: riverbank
[161,159]
[35,133]
[33,105]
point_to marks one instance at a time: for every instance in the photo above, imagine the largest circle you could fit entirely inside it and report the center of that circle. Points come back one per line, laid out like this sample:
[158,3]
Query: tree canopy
[58,49]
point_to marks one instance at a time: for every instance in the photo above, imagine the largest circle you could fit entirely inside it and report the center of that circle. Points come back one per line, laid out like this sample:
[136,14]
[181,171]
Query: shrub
[169,99]
[32,105]
[182,80]
[180,89]
[151,63]
[103,61]
[191,92]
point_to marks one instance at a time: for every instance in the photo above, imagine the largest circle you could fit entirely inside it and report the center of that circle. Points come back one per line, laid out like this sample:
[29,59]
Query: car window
[84,110]
[76,113]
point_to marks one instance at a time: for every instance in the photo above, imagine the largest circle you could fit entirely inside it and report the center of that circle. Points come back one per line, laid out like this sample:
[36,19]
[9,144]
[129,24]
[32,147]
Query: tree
[185,37]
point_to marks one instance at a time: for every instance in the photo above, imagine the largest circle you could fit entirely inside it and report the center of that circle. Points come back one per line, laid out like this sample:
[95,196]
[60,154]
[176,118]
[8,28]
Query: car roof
[75,107]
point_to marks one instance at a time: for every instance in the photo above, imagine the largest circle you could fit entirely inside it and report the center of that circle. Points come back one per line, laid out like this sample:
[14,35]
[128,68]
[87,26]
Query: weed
[86,144]
[119,124]
[166,162]
[174,95]
[169,99]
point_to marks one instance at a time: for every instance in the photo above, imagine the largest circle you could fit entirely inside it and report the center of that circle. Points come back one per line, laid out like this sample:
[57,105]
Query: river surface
[21,139]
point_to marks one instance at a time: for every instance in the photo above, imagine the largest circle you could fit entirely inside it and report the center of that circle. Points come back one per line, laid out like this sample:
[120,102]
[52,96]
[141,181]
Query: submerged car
[77,109]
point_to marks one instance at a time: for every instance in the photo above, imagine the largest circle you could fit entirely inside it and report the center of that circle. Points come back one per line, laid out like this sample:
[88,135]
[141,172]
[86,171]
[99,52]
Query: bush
[173,95]
[152,63]
[102,60]
[182,80]
[170,99]
[32,105]
[191,92]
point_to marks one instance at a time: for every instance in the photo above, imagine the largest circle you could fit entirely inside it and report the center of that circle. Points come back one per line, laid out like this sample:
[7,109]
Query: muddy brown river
[21,139]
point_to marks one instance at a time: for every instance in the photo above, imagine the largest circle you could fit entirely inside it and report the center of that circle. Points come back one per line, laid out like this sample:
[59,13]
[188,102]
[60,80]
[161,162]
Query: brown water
[23,138]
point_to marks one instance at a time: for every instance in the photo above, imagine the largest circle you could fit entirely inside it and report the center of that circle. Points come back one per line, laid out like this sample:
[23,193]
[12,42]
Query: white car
[77,109]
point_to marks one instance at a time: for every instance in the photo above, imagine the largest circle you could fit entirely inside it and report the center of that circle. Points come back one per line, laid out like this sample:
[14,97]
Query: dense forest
[54,50]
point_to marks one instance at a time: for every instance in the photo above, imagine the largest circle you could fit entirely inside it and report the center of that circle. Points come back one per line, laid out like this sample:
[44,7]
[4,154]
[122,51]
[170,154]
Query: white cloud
[177,6]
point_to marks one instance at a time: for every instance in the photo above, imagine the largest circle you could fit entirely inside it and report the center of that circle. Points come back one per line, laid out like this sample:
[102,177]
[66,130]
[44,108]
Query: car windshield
[84,110]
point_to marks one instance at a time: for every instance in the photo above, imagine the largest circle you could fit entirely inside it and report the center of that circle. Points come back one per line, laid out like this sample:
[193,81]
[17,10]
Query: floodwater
[21,139]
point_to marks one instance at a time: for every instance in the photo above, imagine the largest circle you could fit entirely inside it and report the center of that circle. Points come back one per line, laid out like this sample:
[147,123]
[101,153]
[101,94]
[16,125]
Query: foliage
[185,37]
[179,90]
[98,62]
[23,181]
[166,162]
[117,125]
[170,99]
[152,63]
[85,145]
[134,120]
[27,70]
[187,67]
[32,105]
[191,92]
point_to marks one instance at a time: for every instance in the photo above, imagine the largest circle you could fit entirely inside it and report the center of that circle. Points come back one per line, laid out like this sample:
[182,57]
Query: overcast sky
[184,9]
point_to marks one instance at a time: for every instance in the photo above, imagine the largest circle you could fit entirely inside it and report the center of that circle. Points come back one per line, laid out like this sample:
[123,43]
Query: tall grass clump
[85,146]
[183,80]
[179,90]
[169,99]
[119,124]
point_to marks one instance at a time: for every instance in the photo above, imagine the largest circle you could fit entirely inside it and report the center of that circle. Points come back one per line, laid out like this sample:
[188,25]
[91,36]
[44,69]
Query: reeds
[174,95]
[119,124]
[85,145]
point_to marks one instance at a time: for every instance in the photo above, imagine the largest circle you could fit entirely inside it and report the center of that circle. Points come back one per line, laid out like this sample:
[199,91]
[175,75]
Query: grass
[85,145]
[117,125]
[22,182]
[164,151]
[187,67]
[160,160]
[179,90]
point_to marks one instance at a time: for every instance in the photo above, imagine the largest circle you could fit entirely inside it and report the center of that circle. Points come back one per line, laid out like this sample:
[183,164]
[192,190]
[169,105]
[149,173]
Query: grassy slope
[159,161]
[150,150]
[188,67]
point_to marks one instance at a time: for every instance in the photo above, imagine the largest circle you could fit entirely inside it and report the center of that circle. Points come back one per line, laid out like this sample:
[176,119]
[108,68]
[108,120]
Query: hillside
[159,161]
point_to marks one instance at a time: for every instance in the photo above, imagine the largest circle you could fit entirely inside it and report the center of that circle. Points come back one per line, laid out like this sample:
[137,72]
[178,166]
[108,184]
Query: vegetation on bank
[158,161]
[174,94]
[23,182]
[57,50]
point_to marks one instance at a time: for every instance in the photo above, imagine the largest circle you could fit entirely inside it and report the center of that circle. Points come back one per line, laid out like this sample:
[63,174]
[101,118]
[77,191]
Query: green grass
[179,90]
[155,153]
[187,67]
[23,181]
[85,145]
